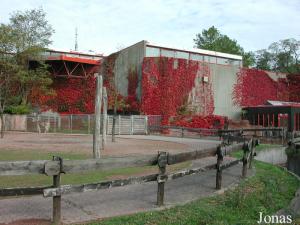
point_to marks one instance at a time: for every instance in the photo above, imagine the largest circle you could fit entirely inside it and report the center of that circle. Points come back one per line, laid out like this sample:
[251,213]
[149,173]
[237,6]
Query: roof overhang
[198,51]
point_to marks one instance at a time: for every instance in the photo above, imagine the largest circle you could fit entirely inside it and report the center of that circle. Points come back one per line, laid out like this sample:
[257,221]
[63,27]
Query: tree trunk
[97,126]
[2,124]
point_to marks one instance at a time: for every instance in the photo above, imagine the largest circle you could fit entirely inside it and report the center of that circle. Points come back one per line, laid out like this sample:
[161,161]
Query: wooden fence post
[161,179]
[254,143]
[220,155]
[282,134]
[97,121]
[104,121]
[245,160]
[56,213]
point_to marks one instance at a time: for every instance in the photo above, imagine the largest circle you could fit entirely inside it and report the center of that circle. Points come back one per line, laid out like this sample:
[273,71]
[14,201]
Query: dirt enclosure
[83,144]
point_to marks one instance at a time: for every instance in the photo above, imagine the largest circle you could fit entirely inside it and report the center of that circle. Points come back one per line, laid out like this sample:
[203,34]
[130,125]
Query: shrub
[18,109]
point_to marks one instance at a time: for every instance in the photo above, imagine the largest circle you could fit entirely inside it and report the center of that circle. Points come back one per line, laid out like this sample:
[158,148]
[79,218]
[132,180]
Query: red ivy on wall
[75,96]
[72,96]
[294,87]
[131,100]
[254,87]
[202,92]
[167,84]
[208,122]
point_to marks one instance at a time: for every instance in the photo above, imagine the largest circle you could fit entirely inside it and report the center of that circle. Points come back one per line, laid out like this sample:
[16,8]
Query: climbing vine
[72,96]
[167,84]
[196,121]
[254,87]
[131,100]
[294,87]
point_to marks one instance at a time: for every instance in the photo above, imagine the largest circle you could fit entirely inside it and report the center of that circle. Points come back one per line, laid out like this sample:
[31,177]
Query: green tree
[22,41]
[31,29]
[8,71]
[263,59]
[212,39]
[32,33]
[281,56]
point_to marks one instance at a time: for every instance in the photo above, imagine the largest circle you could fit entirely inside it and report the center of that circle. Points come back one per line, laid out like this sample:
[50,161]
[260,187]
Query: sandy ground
[124,145]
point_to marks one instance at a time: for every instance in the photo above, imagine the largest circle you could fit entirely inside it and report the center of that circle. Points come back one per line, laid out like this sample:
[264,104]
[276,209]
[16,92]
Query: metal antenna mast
[76,42]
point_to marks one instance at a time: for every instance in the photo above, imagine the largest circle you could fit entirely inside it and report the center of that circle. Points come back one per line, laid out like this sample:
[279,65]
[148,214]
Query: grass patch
[268,191]
[15,155]
[78,178]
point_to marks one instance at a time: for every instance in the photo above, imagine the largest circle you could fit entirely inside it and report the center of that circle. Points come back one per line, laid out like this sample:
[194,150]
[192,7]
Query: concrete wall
[15,122]
[293,164]
[130,58]
[223,80]
[218,89]
[273,155]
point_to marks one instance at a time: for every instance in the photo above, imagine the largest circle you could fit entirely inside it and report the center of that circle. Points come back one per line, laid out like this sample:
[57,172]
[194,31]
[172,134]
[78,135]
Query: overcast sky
[106,25]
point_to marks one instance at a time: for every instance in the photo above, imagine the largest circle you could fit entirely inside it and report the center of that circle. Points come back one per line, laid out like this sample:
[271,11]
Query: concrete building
[221,74]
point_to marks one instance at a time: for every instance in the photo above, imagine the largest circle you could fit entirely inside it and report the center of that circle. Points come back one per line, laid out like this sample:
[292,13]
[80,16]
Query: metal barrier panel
[84,124]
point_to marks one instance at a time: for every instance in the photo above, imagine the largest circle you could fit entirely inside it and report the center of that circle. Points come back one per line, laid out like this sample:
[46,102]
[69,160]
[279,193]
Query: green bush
[18,109]
[292,151]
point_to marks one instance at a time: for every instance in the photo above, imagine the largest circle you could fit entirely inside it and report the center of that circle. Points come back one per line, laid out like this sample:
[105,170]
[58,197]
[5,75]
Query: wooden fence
[57,166]
[233,134]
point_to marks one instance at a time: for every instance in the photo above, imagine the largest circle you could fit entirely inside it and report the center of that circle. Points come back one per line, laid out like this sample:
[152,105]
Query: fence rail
[57,166]
[234,134]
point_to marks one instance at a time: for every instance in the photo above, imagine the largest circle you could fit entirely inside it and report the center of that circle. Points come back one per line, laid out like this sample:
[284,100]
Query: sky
[105,26]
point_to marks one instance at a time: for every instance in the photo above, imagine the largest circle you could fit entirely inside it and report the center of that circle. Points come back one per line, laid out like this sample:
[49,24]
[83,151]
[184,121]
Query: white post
[38,124]
[55,122]
[59,122]
[97,125]
[26,123]
[131,124]
[71,123]
[107,122]
[119,118]
[89,122]
[104,124]
[146,124]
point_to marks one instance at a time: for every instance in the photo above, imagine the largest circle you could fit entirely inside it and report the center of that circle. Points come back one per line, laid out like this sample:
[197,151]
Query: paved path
[120,200]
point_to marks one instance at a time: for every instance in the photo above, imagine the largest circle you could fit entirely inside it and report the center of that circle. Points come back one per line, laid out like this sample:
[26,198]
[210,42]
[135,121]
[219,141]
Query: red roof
[73,59]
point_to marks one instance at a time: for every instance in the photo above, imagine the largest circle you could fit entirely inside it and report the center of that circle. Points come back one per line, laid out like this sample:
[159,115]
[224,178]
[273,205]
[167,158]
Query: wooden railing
[267,132]
[57,166]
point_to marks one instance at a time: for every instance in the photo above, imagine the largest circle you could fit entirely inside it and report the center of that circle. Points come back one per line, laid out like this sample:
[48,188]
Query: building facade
[214,75]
